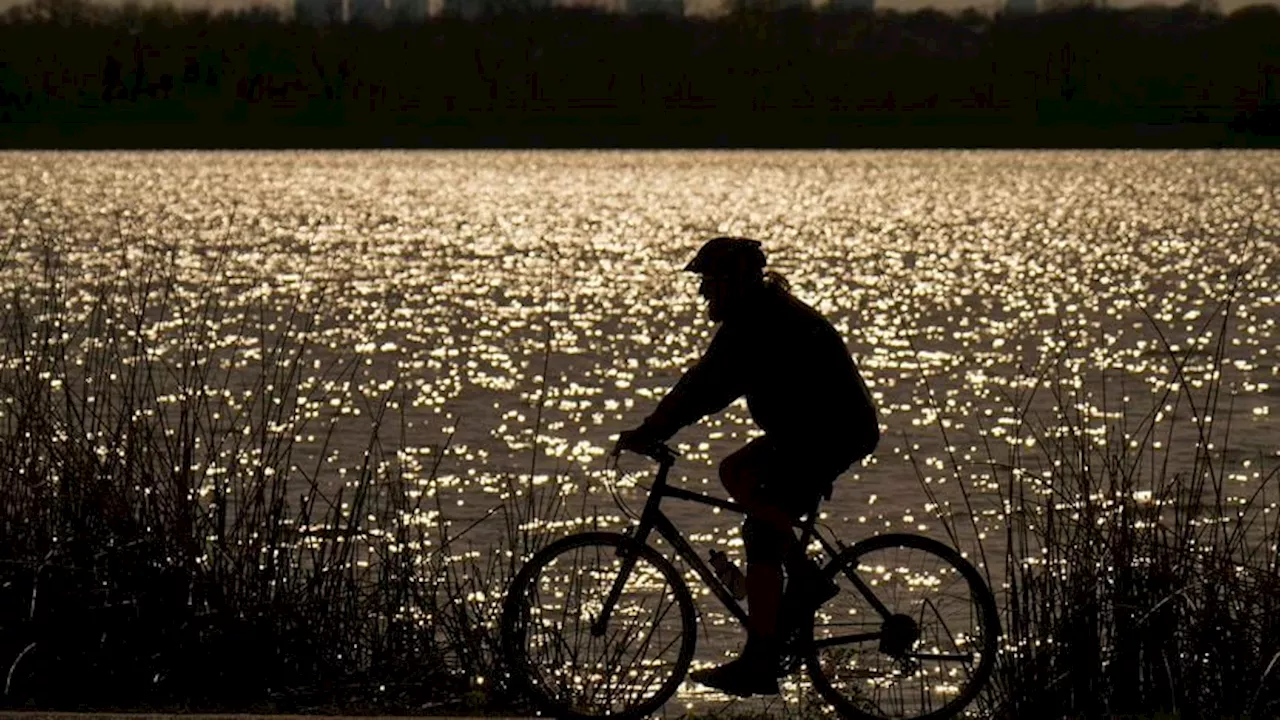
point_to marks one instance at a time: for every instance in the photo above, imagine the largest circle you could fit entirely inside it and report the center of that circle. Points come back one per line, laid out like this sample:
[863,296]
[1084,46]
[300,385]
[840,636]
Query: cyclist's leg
[751,475]
[779,482]
[759,477]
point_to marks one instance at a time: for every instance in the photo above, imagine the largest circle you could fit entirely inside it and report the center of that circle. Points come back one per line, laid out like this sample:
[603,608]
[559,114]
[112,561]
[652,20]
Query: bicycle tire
[853,685]
[573,685]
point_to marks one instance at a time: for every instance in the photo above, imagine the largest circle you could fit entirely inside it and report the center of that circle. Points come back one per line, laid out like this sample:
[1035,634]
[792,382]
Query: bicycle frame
[653,519]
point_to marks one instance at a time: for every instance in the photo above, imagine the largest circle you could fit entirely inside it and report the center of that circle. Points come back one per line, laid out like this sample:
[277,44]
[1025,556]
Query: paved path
[37,715]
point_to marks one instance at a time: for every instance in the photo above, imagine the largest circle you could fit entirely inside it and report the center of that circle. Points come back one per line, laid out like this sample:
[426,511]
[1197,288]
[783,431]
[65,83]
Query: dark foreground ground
[156,716]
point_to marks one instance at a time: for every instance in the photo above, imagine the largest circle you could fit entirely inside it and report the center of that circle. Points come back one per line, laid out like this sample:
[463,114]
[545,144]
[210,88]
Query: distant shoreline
[1076,77]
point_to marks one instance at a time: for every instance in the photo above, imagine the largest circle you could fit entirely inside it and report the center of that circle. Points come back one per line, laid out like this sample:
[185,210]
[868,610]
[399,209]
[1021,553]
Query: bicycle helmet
[727,256]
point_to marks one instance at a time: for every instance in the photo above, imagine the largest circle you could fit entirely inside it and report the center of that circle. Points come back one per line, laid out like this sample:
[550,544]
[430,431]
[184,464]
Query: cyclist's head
[728,256]
[732,269]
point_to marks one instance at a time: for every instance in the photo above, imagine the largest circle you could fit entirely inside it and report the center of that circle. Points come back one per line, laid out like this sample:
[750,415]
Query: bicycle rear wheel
[573,665]
[912,633]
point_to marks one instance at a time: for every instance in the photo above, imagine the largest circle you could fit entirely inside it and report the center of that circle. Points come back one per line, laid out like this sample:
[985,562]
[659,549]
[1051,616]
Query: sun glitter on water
[489,294]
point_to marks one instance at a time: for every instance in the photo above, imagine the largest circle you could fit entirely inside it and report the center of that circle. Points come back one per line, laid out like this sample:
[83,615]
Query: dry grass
[1135,581]
[169,540]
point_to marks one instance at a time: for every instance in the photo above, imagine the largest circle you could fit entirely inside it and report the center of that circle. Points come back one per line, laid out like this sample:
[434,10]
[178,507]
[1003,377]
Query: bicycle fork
[624,573]
[629,555]
[629,552]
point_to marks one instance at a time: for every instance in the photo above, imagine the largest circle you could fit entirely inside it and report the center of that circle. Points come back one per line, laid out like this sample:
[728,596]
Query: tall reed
[174,532]
[1135,579]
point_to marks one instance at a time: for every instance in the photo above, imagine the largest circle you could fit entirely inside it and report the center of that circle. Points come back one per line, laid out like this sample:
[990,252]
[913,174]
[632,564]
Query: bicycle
[602,625]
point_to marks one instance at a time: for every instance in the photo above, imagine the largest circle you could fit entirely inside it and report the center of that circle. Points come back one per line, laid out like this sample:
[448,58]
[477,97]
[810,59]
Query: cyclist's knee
[735,472]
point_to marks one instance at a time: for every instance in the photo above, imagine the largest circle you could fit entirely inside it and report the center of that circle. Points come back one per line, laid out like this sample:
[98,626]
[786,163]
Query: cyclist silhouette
[804,390]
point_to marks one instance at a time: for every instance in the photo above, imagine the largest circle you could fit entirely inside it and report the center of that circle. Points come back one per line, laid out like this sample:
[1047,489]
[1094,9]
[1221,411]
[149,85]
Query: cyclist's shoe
[742,677]
[806,590]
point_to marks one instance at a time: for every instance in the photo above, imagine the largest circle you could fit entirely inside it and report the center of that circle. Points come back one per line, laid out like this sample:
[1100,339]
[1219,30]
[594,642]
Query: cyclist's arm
[717,379]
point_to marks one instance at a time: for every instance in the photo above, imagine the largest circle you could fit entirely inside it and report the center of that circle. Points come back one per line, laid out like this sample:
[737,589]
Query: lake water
[984,294]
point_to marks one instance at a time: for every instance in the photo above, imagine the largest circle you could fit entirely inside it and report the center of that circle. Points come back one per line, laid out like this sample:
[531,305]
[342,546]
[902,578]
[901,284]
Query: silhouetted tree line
[77,74]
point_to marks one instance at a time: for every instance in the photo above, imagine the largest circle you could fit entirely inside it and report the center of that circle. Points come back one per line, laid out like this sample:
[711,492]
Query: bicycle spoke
[649,637]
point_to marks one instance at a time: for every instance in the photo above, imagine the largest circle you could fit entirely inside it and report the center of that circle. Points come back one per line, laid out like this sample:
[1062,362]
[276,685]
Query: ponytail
[775,281]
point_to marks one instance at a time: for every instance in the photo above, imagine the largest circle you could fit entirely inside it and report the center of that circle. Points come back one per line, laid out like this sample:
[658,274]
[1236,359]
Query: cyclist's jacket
[800,382]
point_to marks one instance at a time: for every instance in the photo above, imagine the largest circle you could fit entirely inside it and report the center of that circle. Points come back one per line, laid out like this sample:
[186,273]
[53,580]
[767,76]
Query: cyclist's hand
[639,440]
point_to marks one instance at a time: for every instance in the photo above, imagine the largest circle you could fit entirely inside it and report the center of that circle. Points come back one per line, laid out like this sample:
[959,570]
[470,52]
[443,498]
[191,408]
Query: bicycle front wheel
[597,625]
[912,633]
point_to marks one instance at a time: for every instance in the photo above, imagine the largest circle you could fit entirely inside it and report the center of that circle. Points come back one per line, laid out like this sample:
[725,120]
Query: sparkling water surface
[990,299]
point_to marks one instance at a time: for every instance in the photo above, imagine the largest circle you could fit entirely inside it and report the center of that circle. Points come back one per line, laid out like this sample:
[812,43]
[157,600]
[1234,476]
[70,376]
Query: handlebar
[658,452]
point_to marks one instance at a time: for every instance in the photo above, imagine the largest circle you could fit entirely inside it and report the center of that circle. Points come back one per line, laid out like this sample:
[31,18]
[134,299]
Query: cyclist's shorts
[794,476]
